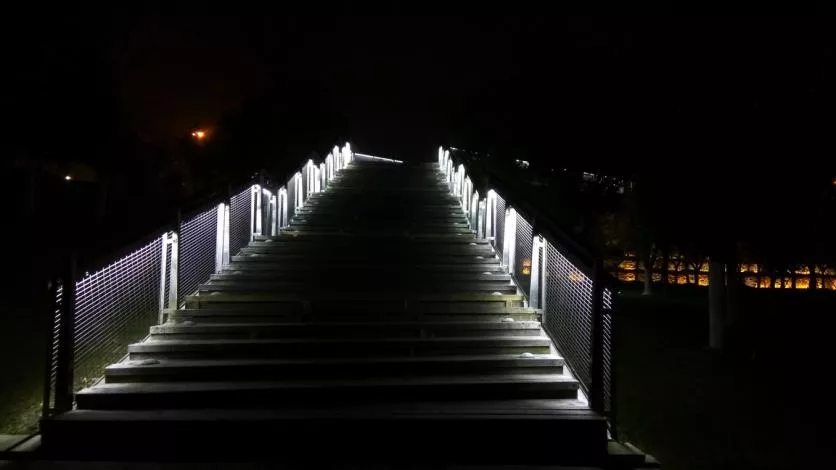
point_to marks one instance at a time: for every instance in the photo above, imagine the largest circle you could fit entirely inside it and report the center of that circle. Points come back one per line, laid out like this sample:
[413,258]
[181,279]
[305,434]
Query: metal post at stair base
[474,212]
[490,217]
[509,240]
[66,338]
[297,190]
[481,222]
[169,303]
[596,388]
[282,207]
[222,237]
[535,297]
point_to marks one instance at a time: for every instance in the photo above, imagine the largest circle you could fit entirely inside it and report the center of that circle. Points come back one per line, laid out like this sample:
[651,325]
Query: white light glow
[68,178]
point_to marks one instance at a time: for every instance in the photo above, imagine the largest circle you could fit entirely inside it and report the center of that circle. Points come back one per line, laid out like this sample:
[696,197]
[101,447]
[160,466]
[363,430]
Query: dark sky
[605,91]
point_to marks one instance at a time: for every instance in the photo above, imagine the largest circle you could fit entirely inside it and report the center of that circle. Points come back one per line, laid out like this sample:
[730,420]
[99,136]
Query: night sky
[620,93]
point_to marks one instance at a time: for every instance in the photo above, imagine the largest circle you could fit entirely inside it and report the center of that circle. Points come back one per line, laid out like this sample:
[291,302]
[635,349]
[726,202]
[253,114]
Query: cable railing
[564,282]
[100,309]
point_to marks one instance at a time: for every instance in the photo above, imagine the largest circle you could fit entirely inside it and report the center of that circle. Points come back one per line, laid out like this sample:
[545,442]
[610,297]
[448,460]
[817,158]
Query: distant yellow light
[199,134]
[526,267]
[68,178]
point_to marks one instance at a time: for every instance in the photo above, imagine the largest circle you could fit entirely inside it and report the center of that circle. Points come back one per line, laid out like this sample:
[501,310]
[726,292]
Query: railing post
[537,267]
[221,236]
[66,339]
[169,303]
[596,389]
[509,240]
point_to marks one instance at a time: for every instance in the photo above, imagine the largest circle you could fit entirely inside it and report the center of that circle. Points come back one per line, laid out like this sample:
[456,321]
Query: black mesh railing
[240,208]
[114,306]
[577,297]
[522,254]
[198,240]
[568,313]
[608,349]
[99,312]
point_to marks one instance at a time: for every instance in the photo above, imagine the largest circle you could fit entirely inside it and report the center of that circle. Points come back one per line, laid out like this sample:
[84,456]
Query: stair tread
[522,340]
[499,325]
[563,380]
[567,408]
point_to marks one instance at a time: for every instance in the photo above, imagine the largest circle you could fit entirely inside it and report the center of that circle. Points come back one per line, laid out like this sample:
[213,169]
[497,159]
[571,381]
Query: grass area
[760,404]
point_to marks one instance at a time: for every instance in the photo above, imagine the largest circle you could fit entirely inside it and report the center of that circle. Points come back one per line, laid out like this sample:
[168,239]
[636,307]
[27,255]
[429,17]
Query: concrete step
[337,347]
[390,300]
[247,254]
[287,369]
[347,247]
[363,275]
[372,236]
[261,394]
[439,269]
[405,261]
[410,433]
[372,239]
[357,284]
[402,329]
[249,314]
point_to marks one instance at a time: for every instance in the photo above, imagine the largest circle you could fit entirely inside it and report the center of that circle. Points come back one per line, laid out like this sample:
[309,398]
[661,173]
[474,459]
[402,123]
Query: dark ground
[764,404]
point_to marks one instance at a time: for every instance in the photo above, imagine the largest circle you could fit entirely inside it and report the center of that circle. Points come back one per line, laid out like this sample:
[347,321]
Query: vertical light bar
[474,211]
[323,176]
[255,211]
[274,215]
[297,198]
[481,222]
[219,238]
[226,236]
[509,242]
[283,195]
[534,297]
[163,263]
[490,216]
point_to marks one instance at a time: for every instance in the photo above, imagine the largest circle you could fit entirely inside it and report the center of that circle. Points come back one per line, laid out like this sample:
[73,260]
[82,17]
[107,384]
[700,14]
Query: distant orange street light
[199,134]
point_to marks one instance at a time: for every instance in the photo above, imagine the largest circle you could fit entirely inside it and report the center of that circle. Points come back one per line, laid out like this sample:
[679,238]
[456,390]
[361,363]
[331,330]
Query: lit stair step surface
[356,284]
[269,314]
[286,369]
[403,329]
[162,395]
[336,347]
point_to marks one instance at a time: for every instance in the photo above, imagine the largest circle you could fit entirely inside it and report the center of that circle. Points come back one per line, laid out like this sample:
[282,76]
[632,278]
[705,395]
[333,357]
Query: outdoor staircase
[375,328]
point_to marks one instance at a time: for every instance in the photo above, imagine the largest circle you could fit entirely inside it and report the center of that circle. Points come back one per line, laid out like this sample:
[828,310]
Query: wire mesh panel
[568,314]
[608,346]
[114,307]
[198,237]
[54,346]
[239,220]
[500,225]
[522,254]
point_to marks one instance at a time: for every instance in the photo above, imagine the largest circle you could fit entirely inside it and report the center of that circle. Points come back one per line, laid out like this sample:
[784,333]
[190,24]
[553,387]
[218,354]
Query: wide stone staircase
[375,328]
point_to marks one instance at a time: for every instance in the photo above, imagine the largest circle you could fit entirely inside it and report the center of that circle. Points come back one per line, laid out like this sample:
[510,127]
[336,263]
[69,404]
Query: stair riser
[346,305]
[318,268]
[343,331]
[353,287]
[388,277]
[307,350]
[337,250]
[331,395]
[368,259]
[314,371]
[268,317]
